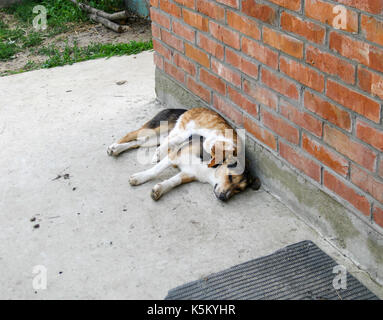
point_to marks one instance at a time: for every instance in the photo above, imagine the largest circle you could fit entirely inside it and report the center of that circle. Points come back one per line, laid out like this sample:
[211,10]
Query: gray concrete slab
[106,239]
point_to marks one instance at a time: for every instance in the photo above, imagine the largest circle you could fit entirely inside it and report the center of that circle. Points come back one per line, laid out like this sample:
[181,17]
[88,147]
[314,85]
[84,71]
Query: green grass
[13,40]
[60,12]
[107,5]
[73,53]
[7,51]
[62,15]
[8,38]
[32,40]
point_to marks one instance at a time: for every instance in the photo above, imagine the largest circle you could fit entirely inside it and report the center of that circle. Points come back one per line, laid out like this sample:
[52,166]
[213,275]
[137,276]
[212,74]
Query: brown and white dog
[199,142]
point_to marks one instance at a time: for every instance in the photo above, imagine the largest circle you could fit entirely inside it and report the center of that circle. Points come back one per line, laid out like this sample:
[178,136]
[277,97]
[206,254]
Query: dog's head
[232,178]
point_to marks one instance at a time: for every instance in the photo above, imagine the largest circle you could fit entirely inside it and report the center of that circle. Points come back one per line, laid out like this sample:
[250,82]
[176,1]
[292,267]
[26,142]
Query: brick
[195,20]
[159,18]
[301,118]
[324,155]
[225,35]
[197,55]
[226,73]
[261,134]
[330,64]
[326,12]
[372,6]
[302,74]
[307,29]
[378,216]
[212,81]
[280,126]
[183,31]
[359,51]
[158,61]
[294,5]
[211,46]
[372,136]
[367,183]
[154,3]
[173,71]
[260,94]
[230,3]
[354,100]
[260,52]
[221,105]
[280,84]
[351,149]
[186,3]
[372,29]
[283,42]
[156,31]
[260,11]
[240,100]
[172,41]
[241,63]
[327,111]
[243,25]
[170,8]
[340,188]
[299,161]
[161,49]
[211,9]
[184,64]
[380,169]
[371,82]
[199,90]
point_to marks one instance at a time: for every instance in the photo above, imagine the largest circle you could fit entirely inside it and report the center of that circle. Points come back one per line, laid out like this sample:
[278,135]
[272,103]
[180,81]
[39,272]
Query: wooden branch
[110,16]
[107,23]
[119,15]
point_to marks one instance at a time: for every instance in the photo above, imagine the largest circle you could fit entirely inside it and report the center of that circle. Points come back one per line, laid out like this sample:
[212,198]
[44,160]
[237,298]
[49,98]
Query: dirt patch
[83,34]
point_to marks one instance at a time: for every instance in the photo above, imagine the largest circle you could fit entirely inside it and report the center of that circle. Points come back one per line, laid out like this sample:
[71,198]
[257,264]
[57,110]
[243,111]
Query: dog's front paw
[113,150]
[156,192]
[136,179]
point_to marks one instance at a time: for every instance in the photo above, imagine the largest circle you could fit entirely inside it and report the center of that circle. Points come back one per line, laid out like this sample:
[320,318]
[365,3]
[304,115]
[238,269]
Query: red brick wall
[303,77]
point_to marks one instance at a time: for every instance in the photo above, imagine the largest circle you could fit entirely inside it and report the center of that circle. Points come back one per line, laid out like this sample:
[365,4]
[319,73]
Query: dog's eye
[230,178]
[232,165]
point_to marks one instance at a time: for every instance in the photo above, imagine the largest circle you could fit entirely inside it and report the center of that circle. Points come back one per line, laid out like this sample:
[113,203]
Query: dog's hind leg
[161,188]
[135,139]
[144,176]
[162,122]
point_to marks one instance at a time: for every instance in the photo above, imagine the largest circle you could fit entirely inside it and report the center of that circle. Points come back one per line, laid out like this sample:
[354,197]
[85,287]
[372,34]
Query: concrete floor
[106,239]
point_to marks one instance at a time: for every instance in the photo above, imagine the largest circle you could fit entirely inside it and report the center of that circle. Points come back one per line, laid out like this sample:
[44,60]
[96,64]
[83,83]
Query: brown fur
[208,119]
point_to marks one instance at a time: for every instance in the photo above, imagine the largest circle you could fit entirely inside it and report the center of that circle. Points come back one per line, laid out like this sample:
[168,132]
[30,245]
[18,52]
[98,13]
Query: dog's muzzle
[223,196]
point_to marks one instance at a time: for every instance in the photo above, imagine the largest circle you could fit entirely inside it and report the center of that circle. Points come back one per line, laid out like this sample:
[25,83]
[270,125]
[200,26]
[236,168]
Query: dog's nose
[222,197]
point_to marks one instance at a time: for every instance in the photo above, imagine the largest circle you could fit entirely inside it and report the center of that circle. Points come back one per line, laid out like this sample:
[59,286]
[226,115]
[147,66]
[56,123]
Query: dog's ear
[219,152]
[213,161]
[255,183]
